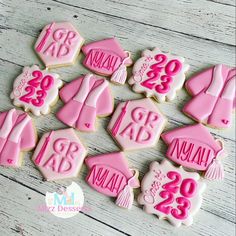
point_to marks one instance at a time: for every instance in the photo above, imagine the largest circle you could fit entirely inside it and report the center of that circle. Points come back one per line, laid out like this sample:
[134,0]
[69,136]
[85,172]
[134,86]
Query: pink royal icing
[17,134]
[171,193]
[192,146]
[109,174]
[137,124]
[58,44]
[85,98]
[106,57]
[216,89]
[36,90]
[158,74]
[59,154]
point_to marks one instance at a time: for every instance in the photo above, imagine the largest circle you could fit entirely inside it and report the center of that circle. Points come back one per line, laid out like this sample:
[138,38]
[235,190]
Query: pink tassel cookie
[58,44]
[85,98]
[107,58]
[216,89]
[36,90]
[171,193]
[110,175]
[158,75]
[137,124]
[17,135]
[59,154]
[194,147]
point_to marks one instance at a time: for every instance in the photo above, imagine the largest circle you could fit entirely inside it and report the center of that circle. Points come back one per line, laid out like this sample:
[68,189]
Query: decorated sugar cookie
[215,88]
[194,147]
[17,134]
[171,193]
[85,98]
[36,90]
[110,175]
[158,75]
[137,124]
[107,58]
[58,44]
[59,154]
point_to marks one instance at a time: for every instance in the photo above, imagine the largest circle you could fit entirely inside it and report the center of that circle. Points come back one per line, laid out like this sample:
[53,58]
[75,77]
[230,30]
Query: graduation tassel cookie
[58,44]
[36,90]
[194,147]
[171,193]
[110,175]
[85,98]
[159,75]
[216,89]
[17,134]
[107,58]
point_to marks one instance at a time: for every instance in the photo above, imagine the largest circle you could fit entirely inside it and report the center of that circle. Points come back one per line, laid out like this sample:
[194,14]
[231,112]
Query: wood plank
[213,21]
[20,213]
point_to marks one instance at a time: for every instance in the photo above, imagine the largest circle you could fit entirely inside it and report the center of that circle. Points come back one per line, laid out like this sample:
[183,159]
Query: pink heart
[9,161]
[225,121]
[87,125]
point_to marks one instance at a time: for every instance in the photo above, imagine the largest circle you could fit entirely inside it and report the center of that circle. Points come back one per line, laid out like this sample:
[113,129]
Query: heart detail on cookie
[225,121]
[9,161]
[87,125]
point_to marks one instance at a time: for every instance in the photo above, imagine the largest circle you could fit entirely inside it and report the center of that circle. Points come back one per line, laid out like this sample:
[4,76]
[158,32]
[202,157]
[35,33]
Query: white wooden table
[203,31]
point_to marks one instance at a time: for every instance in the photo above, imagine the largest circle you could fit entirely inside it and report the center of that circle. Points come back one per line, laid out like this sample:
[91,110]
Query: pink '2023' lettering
[186,187]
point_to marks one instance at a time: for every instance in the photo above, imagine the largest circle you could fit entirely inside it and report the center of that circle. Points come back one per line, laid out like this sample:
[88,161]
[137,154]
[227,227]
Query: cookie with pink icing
[158,75]
[194,147]
[137,124]
[110,175]
[107,58]
[59,154]
[36,90]
[58,44]
[85,98]
[214,98]
[17,135]
[171,193]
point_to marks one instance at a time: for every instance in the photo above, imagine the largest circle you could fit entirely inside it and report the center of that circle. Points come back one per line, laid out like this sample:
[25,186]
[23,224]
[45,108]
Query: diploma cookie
[194,147]
[107,58]
[58,44]
[36,90]
[215,88]
[158,75]
[17,135]
[110,175]
[137,124]
[85,98]
[171,193]
[59,154]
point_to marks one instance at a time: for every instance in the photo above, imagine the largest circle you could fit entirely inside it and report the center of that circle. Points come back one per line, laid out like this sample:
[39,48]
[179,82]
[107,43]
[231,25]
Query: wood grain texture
[182,27]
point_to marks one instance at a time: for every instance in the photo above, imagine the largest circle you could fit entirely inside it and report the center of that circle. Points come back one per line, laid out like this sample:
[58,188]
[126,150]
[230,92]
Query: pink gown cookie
[171,193]
[107,58]
[17,134]
[194,147]
[58,44]
[85,98]
[110,175]
[36,90]
[158,75]
[214,99]
[137,124]
[59,154]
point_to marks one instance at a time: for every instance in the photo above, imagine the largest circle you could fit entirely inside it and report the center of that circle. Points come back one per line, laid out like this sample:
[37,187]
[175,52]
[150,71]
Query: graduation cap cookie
[194,147]
[110,174]
[107,58]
